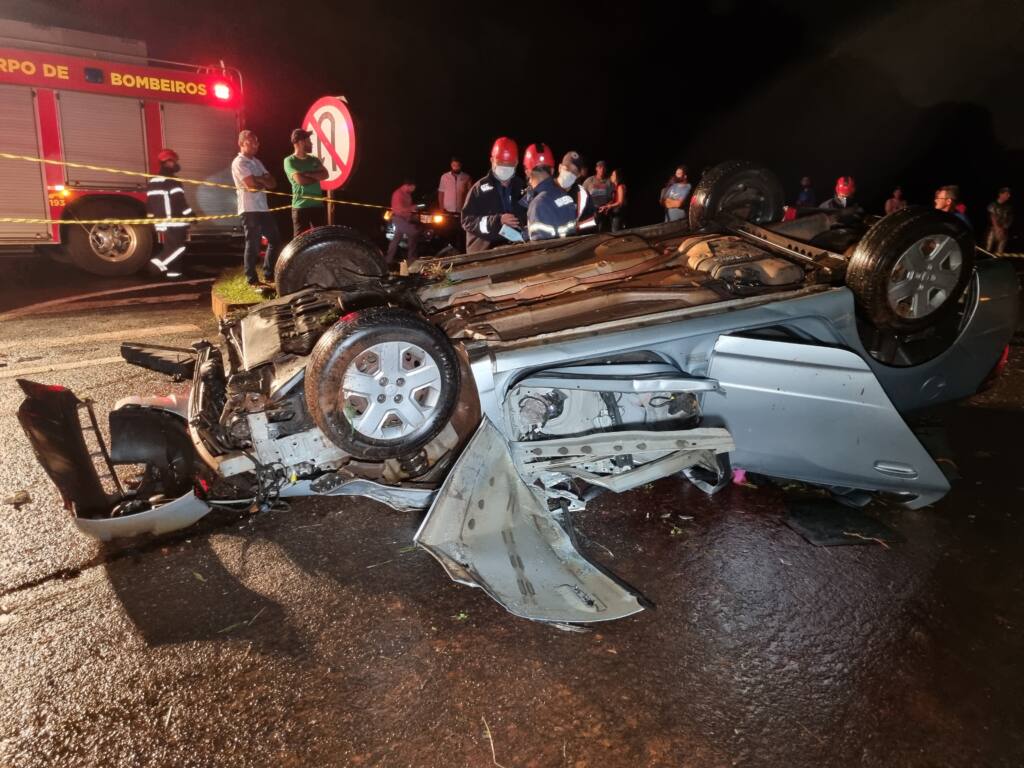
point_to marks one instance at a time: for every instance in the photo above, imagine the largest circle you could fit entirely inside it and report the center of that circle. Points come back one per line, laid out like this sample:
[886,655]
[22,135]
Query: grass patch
[232,288]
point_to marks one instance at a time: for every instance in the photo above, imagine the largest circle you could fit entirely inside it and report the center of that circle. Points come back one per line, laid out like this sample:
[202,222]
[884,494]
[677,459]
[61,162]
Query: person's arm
[311,177]
[478,222]
[440,193]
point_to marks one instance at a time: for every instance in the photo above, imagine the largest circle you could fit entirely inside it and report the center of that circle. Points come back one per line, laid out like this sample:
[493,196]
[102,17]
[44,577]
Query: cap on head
[167,156]
[538,154]
[300,135]
[573,161]
[845,186]
[505,152]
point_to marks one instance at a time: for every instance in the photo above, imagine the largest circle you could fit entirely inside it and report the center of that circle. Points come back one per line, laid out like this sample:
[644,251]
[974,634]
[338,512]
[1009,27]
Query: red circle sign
[334,138]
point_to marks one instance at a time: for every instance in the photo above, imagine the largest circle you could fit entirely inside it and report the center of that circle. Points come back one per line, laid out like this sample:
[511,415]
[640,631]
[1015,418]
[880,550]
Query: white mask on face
[504,172]
[566,178]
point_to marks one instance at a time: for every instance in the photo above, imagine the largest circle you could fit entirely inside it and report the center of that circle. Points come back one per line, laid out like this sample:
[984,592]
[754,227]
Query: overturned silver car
[500,391]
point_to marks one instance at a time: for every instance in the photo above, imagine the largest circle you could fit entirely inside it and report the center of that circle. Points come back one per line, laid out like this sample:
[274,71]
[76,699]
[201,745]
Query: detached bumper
[67,442]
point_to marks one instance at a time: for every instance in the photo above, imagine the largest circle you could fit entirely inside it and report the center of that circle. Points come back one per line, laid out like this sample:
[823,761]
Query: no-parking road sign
[334,138]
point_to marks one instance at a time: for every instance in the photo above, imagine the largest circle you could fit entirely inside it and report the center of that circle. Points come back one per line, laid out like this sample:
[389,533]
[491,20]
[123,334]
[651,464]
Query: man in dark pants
[251,180]
[305,172]
[403,214]
[165,199]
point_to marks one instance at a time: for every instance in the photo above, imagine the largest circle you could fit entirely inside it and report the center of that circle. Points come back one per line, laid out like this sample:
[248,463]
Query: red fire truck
[83,98]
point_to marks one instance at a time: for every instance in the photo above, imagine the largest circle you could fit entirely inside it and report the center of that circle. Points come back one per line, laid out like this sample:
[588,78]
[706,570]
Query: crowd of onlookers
[947,199]
[554,199]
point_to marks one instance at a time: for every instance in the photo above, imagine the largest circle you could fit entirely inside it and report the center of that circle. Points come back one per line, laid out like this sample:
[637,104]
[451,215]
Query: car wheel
[108,249]
[382,383]
[328,257]
[738,188]
[910,269]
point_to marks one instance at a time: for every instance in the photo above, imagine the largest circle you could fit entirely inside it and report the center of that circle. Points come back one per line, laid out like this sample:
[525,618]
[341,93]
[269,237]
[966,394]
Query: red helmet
[167,155]
[845,186]
[505,151]
[538,154]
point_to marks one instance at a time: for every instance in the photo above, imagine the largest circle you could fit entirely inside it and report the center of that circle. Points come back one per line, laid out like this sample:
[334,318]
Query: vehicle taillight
[222,91]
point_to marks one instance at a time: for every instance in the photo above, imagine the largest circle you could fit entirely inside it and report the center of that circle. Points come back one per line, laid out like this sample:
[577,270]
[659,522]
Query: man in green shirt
[305,172]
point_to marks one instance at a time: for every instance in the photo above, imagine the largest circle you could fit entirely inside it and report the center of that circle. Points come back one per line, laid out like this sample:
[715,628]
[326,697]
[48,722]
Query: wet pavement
[316,636]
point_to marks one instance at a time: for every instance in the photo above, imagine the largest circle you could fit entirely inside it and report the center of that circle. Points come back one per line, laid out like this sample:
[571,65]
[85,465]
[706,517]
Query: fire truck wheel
[108,249]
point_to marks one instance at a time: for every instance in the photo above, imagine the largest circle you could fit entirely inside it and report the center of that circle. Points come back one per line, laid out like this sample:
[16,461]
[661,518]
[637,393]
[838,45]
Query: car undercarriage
[500,391]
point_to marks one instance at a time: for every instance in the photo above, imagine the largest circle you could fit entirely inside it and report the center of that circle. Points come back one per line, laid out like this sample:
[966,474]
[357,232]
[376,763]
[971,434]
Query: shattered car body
[500,391]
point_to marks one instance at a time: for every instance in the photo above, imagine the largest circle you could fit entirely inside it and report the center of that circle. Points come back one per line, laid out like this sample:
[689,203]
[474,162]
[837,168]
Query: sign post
[334,142]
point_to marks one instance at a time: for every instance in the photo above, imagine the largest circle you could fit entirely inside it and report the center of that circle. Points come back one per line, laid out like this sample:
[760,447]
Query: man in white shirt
[251,180]
[452,190]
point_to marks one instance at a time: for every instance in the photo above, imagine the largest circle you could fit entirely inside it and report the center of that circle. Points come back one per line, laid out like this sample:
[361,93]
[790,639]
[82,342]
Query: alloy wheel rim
[925,276]
[391,390]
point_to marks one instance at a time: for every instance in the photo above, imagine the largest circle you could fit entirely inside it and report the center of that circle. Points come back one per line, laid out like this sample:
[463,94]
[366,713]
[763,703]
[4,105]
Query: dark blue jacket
[552,212]
[481,213]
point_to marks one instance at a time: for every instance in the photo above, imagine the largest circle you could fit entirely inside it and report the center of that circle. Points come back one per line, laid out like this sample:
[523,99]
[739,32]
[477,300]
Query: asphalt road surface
[317,636]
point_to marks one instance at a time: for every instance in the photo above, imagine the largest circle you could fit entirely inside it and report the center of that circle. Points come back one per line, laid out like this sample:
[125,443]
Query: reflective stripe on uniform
[483,225]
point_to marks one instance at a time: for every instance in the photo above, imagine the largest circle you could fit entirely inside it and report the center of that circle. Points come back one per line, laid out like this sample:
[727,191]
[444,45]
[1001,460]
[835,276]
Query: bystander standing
[452,190]
[616,209]
[1000,219]
[602,192]
[806,197]
[251,180]
[947,199]
[675,195]
[403,214]
[305,171]
[896,202]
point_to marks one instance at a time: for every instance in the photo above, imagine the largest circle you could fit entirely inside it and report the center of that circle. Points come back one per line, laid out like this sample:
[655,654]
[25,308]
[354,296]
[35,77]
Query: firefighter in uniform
[494,202]
[165,199]
[536,154]
[569,179]
[552,211]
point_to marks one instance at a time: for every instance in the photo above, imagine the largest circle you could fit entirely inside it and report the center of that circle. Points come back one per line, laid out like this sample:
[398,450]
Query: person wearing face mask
[569,174]
[165,199]
[552,211]
[492,214]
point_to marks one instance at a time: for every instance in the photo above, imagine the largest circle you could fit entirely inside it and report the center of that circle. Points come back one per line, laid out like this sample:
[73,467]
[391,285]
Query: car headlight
[387,215]
[438,218]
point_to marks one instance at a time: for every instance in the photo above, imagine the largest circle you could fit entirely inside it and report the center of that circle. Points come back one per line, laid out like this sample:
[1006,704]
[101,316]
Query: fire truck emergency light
[222,91]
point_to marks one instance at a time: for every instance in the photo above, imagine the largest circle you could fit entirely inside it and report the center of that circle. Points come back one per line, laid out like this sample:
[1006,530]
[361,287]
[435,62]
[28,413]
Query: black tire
[328,257]
[875,269]
[108,250]
[341,348]
[743,189]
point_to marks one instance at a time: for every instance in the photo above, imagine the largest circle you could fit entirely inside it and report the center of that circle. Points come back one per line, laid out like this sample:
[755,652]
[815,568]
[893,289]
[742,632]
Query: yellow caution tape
[197,182]
[149,220]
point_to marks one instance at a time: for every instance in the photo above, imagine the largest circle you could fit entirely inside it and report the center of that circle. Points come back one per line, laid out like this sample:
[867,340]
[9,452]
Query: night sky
[922,94]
